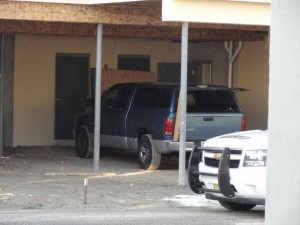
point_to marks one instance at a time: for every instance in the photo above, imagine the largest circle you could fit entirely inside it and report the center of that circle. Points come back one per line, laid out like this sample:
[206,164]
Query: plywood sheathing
[122,31]
[111,77]
[174,33]
[140,14]
[48,28]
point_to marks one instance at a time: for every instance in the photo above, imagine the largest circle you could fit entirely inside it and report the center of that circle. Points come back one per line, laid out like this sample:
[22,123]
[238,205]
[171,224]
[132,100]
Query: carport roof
[135,19]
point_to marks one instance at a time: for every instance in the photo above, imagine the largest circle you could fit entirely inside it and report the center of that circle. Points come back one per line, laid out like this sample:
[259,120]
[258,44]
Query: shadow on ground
[53,178]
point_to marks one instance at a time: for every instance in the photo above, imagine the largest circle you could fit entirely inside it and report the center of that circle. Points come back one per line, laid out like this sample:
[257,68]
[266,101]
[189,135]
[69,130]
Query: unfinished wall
[253,73]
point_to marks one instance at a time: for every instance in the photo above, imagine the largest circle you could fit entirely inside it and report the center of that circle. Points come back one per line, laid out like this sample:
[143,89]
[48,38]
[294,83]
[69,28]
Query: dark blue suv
[142,117]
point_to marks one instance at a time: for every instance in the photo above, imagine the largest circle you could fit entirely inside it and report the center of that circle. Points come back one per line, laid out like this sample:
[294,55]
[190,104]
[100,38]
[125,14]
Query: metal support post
[98,98]
[183,92]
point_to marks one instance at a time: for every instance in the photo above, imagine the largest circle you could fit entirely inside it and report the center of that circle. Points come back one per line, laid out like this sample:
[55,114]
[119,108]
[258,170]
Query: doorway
[71,91]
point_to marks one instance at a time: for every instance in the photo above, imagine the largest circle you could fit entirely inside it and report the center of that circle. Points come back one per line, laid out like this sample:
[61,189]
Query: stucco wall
[34,90]
[34,83]
[216,53]
[253,74]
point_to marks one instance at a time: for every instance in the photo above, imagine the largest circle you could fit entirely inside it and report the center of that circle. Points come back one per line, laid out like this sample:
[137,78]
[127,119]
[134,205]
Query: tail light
[169,126]
[243,123]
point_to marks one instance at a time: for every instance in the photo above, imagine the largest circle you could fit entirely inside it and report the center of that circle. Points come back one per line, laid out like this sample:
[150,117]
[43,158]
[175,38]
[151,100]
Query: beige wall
[34,91]
[160,51]
[34,87]
[213,52]
[34,83]
[253,73]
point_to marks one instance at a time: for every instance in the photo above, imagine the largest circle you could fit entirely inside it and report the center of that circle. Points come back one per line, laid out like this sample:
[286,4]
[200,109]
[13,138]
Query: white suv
[231,169]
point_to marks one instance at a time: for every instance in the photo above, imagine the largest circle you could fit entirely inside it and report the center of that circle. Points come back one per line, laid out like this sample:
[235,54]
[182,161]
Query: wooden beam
[128,31]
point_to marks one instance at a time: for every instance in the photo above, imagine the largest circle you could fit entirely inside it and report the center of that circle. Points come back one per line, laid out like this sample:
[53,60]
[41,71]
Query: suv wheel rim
[144,153]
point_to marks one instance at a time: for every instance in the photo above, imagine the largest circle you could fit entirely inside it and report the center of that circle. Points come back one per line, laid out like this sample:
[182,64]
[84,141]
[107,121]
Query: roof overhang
[84,2]
[129,19]
[242,12]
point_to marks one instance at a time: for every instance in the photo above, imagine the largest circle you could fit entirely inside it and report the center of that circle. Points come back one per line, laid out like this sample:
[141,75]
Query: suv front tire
[84,144]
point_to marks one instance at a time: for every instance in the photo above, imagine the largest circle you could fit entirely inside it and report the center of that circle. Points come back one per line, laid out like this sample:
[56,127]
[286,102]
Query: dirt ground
[53,178]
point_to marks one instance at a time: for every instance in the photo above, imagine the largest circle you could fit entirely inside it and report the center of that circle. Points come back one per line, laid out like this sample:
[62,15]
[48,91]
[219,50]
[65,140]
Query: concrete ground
[53,178]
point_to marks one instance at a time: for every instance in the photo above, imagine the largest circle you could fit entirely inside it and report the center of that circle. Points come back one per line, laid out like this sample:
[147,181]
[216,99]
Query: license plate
[216,187]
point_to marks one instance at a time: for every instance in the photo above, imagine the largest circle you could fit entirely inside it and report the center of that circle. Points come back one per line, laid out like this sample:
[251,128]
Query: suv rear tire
[84,144]
[149,158]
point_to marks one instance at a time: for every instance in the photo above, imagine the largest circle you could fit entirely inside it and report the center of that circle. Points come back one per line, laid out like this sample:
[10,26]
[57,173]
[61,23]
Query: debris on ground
[6,159]
[3,196]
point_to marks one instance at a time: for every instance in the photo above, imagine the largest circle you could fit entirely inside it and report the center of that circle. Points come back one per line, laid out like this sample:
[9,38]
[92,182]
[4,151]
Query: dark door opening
[198,73]
[134,62]
[71,85]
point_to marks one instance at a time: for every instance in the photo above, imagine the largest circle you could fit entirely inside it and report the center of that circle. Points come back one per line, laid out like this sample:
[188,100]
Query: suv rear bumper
[172,146]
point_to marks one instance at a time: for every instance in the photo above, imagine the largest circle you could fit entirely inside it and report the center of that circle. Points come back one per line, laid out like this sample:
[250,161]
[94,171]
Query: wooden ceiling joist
[122,31]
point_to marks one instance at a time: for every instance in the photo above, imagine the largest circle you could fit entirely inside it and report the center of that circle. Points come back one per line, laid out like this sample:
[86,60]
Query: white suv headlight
[255,158]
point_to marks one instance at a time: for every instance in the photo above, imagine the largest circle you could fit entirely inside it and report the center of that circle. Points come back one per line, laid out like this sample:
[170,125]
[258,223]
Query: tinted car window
[211,101]
[165,97]
[116,98]
[147,97]
[152,97]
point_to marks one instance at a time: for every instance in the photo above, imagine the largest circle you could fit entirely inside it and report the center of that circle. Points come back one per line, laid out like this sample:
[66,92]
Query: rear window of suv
[152,97]
[211,102]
